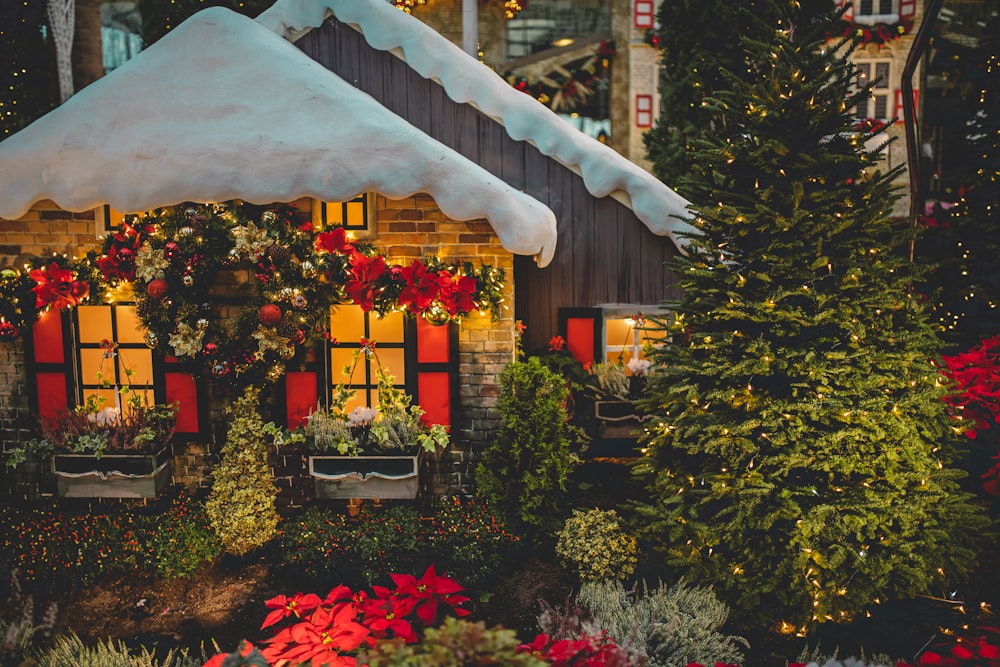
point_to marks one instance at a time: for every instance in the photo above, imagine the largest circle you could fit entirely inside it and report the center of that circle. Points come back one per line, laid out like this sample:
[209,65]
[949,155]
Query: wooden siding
[604,253]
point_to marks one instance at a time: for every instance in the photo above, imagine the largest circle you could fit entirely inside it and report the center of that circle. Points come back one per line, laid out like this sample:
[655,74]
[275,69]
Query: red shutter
[898,113]
[907,9]
[849,12]
[582,327]
[49,390]
[642,14]
[436,370]
[301,396]
[180,388]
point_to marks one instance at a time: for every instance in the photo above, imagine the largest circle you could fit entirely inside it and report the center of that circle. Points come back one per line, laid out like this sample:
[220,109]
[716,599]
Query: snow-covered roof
[223,108]
[466,80]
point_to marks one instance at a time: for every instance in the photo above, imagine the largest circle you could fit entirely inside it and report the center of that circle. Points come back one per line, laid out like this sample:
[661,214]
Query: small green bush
[593,543]
[241,505]
[525,469]
[456,643]
[662,627]
[468,540]
[181,541]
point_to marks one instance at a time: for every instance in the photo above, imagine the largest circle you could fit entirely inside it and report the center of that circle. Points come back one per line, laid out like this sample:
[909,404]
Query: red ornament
[157,288]
[269,314]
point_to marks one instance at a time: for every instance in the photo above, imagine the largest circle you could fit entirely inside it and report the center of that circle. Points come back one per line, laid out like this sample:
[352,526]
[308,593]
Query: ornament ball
[269,314]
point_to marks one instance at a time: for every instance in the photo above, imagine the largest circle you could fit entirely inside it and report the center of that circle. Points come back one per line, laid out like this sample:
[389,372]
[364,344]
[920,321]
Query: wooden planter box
[345,477]
[112,475]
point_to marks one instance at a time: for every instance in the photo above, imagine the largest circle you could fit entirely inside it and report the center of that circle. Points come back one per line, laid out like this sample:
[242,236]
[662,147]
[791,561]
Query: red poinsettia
[246,650]
[360,284]
[586,651]
[119,260]
[334,240]
[322,639]
[385,615]
[422,286]
[285,606]
[58,286]
[976,375]
[429,591]
[458,294]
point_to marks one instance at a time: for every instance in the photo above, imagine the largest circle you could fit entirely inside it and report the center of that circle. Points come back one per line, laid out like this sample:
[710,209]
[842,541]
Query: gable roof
[466,80]
[222,108]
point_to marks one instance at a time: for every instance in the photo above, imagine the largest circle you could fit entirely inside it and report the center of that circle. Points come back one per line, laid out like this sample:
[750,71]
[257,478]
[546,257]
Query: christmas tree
[801,459]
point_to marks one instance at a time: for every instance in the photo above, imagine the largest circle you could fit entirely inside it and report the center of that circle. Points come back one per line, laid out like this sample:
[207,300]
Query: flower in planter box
[395,426]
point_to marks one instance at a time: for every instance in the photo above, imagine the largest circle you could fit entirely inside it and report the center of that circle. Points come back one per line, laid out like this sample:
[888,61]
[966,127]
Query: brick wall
[412,228]
[44,230]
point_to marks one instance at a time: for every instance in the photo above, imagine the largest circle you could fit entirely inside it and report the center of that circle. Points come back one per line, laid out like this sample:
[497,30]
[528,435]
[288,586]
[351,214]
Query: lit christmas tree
[802,459]
[27,66]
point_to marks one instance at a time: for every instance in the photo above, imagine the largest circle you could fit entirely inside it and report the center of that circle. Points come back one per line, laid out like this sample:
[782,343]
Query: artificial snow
[466,80]
[223,108]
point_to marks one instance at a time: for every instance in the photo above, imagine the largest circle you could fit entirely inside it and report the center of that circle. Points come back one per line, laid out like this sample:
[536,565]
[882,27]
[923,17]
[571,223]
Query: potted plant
[615,387]
[370,452]
[100,451]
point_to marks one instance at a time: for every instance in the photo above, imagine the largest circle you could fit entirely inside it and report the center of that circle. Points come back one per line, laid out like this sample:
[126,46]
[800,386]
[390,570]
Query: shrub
[467,540]
[665,627]
[240,507]
[524,470]
[180,540]
[455,643]
[593,543]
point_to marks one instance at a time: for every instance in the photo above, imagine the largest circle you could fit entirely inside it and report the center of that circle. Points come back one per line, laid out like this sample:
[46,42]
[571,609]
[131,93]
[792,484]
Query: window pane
[347,324]
[334,213]
[881,107]
[340,357]
[619,333]
[867,7]
[140,362]
[393,362]
[885,7]
[388,329]
[128,324]
[92,362]
[355,214]
[94,323]
[108,396]
[881,75]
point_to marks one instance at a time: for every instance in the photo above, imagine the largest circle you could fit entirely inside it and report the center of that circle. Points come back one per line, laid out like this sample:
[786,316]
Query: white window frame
[866,69]
[873,18]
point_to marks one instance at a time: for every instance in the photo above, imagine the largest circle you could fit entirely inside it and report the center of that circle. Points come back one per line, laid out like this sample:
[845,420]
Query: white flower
[104,417]
[150,263]
[362,415]
[639,366]
[186,341]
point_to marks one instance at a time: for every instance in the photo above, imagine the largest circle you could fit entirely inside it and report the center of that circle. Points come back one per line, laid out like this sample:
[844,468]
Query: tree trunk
[88,56]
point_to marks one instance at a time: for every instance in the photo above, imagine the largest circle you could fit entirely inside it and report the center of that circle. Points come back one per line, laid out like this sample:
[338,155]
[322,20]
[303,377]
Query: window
[95,351]
[421,357]
[615,334]
[877,105]
[355,215]
[875,11]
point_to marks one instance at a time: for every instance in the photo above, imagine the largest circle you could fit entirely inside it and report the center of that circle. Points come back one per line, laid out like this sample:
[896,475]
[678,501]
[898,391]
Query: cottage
[358,115]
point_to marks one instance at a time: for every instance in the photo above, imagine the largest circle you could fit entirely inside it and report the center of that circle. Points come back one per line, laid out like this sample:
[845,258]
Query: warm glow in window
[348,326]
[112,355]
[627,337]
[354,215]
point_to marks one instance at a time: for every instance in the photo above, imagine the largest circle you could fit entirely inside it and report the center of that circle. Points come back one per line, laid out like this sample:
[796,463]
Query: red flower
[459,295]
[360,284]
[320,639]
[334,240]
[556,343]
[245,649]
[422,287]
[430,591]
[123,247]
[387,613]
[284,607]
[57,286]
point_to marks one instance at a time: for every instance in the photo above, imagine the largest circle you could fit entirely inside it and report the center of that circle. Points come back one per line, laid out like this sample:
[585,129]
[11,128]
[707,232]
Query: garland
[511,8]
[244,289]
[880,33]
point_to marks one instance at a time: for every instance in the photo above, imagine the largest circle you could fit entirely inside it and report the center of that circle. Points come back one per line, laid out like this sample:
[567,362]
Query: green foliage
[241,506]
[461,538]
[524,470]
[662,627]
[802,455]
[70,650]
[455,643]
[21,632]
[182,541]
[594,544]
